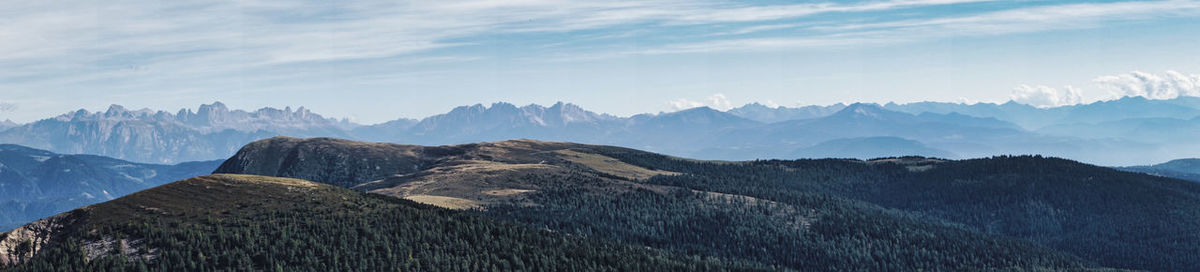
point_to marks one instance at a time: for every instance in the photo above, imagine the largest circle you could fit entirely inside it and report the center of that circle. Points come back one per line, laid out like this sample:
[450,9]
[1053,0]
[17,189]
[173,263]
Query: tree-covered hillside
[245,223]
[887,214]
[1105,216]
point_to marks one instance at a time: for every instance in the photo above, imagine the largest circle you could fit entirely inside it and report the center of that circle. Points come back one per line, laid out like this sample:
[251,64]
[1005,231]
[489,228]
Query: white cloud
[715,101]
[1167,85]
[965,100]
[181,37]
[1045,97]
[295,31]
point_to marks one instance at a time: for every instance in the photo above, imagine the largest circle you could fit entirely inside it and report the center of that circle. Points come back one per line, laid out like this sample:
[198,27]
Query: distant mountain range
[1187,169]
[1128,131]
[212,132]
[37,183]
[7,124]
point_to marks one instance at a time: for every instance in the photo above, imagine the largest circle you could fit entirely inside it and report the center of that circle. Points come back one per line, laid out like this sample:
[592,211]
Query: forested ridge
[1107,217]
[909,213]
[532,205]
[223,223]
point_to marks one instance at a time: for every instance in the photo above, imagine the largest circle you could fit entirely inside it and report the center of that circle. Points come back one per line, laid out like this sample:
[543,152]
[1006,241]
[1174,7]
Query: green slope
[1104,216]
[738,212]
[243,222]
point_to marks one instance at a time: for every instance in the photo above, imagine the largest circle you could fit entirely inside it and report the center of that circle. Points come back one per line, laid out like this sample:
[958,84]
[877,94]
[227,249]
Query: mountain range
[37,183]
[212,132]
[508,204]
[1187,169]
[1140,130]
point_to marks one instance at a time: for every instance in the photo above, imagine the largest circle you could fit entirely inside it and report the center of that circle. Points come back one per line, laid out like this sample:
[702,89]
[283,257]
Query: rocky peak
[115,110]
[863,110]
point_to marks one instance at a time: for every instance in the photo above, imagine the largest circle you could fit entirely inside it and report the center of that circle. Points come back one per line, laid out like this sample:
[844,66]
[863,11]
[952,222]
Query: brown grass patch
[609,165]
[446,202]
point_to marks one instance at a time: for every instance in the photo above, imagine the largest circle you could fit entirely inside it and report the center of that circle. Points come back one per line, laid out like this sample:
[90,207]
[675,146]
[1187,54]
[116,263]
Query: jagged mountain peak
[696,110]
[215,106]
[115,109]
[503,114]
[866,110]
[695,118]
[758,106]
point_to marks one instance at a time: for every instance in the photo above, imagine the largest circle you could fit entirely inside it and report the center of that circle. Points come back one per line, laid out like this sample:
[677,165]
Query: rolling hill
[1187,169]
[242,222]
[1023,211]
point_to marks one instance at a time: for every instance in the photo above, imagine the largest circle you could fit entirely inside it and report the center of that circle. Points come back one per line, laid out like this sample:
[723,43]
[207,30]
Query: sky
[373,61]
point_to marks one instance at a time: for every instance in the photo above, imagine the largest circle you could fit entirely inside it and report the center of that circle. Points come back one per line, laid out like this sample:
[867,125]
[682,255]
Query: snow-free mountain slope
[37,183]
[244,222]
[699,206]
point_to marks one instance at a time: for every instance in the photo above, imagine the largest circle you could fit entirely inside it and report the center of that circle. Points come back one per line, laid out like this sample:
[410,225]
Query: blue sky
[377,61]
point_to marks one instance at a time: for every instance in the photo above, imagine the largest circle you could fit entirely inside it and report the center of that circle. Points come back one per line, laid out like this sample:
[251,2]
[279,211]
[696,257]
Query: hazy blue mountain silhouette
[1139,130]
[1187,169]
[870,148]
[212,132]
[765,114]
[36,183]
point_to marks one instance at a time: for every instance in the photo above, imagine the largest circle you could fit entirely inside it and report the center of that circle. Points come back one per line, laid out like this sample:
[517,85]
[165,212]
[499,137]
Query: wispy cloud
[84,42]
[269,33]
[1037,18]
[193,46]
[1017,20]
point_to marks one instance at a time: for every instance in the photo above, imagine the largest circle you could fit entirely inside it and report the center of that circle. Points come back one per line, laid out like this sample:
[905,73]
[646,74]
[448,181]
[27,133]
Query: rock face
[37,183]
[21,244]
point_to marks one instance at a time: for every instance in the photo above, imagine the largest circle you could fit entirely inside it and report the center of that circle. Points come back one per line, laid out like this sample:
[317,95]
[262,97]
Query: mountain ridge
[968,130]
[1187,169]
[37,183]
[616,192]
[244,222]
[507,179]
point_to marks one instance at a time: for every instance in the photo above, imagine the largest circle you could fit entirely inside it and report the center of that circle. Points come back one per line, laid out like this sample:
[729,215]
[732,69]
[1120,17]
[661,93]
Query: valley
[37,183]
